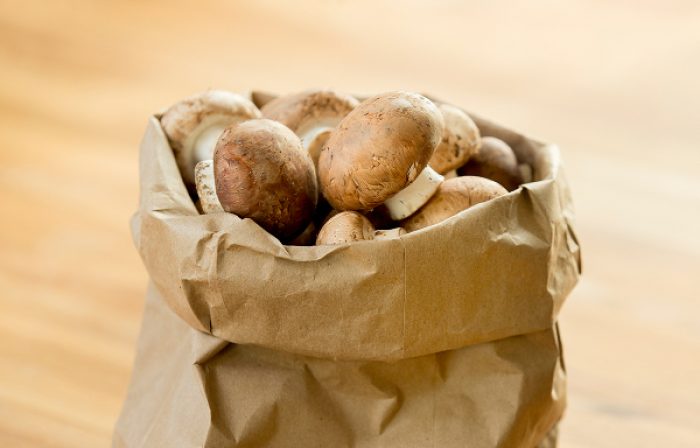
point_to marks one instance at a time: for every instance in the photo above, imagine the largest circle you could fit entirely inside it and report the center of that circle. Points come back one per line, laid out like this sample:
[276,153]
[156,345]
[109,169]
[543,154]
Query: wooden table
[614,83]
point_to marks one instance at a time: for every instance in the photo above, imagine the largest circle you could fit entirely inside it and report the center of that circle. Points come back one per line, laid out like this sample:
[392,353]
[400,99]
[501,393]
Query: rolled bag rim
[228,277]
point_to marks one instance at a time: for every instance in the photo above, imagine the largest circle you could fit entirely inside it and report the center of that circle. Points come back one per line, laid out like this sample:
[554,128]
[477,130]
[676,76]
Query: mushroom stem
[404,203]
[206,187]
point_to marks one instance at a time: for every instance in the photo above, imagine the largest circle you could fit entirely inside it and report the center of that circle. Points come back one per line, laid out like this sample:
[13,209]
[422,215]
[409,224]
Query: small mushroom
[345,227]
[350,226]
[310,113]
[453,196]
[379,154]
[262,172]
[460,140]
[496,161]
[194,125]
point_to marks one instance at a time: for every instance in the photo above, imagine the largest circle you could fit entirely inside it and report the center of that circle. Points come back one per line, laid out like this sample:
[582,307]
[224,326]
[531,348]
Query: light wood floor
[615,83]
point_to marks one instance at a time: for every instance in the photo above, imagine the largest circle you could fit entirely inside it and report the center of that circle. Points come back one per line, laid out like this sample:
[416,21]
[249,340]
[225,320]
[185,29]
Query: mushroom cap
[496,161]
[345,227]
[189,119]
[378,149]
[460,140]
[453,196]
[302,112]
[263,173]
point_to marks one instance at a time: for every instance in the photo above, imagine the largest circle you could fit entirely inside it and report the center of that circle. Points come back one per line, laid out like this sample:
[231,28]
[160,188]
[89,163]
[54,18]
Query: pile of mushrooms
[321,167]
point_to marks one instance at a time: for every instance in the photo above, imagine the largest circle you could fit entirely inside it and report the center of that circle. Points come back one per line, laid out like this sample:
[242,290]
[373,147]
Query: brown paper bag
[444,337]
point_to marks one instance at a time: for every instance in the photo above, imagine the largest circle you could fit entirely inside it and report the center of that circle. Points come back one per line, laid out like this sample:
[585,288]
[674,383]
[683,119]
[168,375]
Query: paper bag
[444,337]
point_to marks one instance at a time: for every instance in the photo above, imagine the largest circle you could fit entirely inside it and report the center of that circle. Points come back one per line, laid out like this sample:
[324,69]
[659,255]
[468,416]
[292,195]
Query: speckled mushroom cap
[453,196]
[345,227]
[202,116]
[496,161]
[312,109]
[263,173]
[460,140]
[378,149]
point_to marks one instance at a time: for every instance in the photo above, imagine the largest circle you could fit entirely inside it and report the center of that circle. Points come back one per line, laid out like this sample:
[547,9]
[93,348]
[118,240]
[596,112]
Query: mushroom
[453,196]
[350,226]
[345,227]
[460,140]
[310,113]
[206,187]
[379,154]
[262,172]
[495,161]
[194,125]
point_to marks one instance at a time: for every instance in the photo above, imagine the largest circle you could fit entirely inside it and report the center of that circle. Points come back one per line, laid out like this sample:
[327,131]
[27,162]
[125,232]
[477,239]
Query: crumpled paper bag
[443,337]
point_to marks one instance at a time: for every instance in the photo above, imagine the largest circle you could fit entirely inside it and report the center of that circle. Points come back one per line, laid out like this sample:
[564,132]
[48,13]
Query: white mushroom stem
[206,187]
[404,203]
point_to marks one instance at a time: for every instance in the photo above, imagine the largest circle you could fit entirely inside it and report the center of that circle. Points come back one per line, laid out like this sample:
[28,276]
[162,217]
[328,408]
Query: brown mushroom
[453,196]
[262,172]
[496,161]
[310,113]
[379,154]
[460,140]
[350,226]
[345,227]
[194,125]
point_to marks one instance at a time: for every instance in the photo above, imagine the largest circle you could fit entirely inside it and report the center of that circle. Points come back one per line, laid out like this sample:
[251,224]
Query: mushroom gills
[308,135]
[205,141]
[206,187]
[404,203]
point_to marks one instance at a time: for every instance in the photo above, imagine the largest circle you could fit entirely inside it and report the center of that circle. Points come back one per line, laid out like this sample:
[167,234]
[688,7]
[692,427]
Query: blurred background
[614,83]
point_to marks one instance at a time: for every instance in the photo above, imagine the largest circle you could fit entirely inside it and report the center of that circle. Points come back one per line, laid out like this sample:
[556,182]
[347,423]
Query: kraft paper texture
[444,337]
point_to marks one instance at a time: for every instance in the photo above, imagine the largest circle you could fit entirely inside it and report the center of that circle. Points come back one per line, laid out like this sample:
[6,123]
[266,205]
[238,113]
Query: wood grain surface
[615,84]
